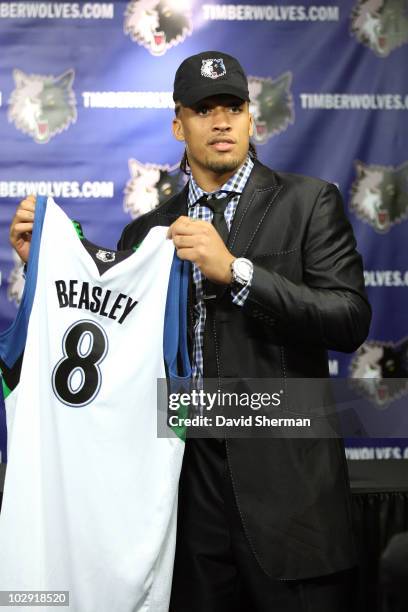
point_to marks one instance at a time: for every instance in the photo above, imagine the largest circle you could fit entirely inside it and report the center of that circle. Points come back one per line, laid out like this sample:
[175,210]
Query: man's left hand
[199,242]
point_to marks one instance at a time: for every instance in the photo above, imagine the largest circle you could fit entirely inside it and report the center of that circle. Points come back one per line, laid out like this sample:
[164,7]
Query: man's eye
[203,111]
[236,109]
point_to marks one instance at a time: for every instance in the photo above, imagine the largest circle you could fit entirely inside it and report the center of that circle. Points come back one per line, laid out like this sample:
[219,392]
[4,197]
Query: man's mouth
[222,144]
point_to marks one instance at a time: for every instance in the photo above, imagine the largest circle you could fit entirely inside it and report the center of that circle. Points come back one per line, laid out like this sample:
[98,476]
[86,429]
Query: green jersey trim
[6,390]
[182,414]
[78,229]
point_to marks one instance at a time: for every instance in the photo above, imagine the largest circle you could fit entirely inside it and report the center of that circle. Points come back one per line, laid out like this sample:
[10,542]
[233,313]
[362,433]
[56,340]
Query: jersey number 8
[76,379]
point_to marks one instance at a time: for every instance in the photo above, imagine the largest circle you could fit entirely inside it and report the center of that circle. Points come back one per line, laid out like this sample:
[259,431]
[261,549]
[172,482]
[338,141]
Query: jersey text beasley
[77,294]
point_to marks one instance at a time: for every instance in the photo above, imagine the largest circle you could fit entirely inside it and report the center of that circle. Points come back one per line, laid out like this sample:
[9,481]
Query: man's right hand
[22,226]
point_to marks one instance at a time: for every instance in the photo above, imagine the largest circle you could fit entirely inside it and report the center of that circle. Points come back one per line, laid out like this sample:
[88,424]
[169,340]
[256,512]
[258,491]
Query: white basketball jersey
[90,495]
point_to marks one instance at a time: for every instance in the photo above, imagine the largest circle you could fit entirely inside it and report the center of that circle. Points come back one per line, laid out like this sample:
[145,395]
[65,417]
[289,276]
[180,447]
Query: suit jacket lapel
[172,209]
[253,206]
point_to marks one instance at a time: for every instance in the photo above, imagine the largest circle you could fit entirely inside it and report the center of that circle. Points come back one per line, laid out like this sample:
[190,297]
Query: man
[263,524]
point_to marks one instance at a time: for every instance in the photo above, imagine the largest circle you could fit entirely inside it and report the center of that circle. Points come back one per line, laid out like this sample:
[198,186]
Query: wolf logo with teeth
[271,106]
[380,370]
[381,25]
[157,25]
[379,195]
[42,106]
[149,186]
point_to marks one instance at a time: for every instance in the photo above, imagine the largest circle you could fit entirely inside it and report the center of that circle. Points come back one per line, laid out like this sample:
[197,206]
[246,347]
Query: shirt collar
[235,183]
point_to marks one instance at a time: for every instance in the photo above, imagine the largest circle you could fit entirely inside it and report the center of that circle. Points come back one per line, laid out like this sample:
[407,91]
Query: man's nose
[221,119]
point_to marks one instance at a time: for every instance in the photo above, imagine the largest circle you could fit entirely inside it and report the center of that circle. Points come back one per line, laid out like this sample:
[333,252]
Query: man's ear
[178,131]
[251,125]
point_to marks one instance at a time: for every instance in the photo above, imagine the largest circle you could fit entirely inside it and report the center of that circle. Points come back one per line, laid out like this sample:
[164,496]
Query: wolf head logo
[381,25]
[271,106]
[149,186]
[42,106]
[106,256]
[16,280]
[380,370]
[157,25]
[379,195]
[213,68]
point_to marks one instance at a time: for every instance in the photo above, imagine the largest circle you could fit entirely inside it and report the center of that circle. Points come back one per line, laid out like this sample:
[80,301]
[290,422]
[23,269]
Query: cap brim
[213,89]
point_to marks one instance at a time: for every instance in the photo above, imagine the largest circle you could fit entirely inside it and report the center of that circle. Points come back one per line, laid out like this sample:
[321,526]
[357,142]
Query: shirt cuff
[239,293]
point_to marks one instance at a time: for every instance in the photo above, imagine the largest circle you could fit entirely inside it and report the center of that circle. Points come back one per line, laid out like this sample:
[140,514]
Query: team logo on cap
[42,106]
[379,370]
[150,185]
[379,195]
[381,25]
[157,25]
[213,68]
[271,106]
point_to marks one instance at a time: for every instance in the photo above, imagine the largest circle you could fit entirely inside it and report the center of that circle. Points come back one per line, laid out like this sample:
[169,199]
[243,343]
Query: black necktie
[210,293]
[218,206]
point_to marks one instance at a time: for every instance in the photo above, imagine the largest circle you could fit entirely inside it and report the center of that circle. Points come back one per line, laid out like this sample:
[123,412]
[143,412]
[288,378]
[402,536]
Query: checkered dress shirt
[199,210]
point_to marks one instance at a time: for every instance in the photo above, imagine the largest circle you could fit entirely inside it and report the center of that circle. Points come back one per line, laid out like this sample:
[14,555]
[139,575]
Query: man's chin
[221,166]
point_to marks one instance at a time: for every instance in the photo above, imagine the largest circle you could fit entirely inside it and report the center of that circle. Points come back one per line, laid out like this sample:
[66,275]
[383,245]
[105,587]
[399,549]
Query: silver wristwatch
[241,270]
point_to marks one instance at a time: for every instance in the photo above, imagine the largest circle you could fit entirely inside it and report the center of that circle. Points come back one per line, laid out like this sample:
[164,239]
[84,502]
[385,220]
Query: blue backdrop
[86,109]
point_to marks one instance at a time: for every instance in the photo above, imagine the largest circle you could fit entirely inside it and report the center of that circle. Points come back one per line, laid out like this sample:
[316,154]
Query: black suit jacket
[307,295]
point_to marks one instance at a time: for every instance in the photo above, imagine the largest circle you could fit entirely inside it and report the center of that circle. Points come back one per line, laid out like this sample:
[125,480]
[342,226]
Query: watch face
[243,269]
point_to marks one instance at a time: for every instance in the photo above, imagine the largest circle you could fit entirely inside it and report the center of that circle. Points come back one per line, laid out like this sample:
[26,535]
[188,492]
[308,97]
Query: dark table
[380,510]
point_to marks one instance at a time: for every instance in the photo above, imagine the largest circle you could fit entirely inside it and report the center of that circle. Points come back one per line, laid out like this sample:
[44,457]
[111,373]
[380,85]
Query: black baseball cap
[209,74]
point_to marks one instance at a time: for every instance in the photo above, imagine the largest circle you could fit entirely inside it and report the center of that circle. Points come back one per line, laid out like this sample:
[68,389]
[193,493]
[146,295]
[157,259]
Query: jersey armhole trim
[176,358]
[13,339]
[175,322]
